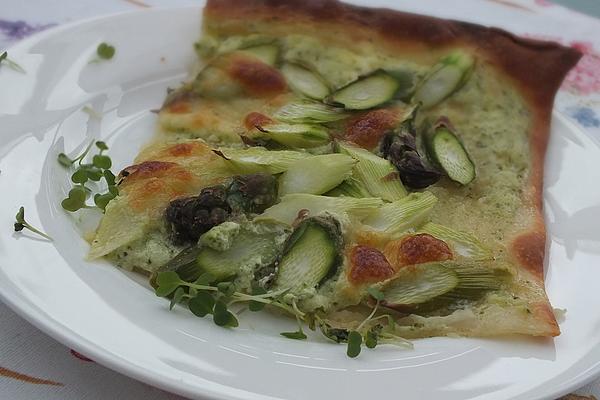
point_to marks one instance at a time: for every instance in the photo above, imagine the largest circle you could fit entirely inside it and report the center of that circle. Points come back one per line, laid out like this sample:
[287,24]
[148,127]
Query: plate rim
[67,337]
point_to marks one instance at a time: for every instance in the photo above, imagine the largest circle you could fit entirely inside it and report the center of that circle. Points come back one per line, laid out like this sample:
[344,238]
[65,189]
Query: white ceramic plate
[115,319]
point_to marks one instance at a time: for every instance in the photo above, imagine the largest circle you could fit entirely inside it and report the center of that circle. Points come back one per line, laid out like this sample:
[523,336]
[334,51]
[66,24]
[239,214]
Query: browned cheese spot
[368,265]
[417,249]
[255,119]
[182,149]
[255,77]
[367,129]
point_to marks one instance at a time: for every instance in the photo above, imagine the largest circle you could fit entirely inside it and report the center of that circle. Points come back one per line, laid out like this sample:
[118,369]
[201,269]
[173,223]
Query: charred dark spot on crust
[368,265]
[145,169]
[529,249]
[422,248]
[257,78]
[256,120]
[367,129]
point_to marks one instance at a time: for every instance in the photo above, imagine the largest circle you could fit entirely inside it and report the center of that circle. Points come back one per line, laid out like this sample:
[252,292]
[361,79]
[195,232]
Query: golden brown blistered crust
[536,69]
[417,249]
[367,128]
[255,77]
[255,119]
[529,248]
[152,182]
[168,171]
[368,265]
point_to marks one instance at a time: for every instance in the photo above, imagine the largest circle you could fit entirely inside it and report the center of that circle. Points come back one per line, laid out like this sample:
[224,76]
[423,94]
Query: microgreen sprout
[21,224]
[354,344]
[84,174]
[206,297]
[104,51]
[91,112]
[65,161]
[10,63]
[299,334]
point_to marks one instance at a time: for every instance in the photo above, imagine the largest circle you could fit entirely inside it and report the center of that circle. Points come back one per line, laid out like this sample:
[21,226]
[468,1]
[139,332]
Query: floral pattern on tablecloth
[34,366]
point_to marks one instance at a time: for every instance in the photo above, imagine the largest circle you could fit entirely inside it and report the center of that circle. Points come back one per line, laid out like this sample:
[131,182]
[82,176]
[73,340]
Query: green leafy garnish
[202,304]
[177,296]
[354,343]
[204,299]
[255,305]
[167,283]
[91,112]
[227,288]
[222,316]
[371,339]
[84,173]
[105,51]
[65,161]
[21,224]
[204,296]
[10,63]
[298,335]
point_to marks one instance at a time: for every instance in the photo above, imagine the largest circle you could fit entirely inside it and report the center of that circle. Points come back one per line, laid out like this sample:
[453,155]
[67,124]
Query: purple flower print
[15,30]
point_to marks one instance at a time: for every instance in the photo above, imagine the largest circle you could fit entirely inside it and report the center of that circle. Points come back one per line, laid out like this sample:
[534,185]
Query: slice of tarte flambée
[332,150]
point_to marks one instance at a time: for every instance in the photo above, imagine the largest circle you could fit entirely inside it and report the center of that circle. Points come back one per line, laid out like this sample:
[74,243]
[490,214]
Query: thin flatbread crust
[531,70]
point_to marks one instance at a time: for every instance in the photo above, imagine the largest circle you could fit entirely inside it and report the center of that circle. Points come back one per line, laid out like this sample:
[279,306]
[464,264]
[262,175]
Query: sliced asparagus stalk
[267,53]
[366,92]
[184,264]
[214,82]
[474,280]
[316,175]
[446,150]
[407,83]
[464,244]
[440,282]
[311,255]
[305,81]
[248,248]
[446,77]
[409,212]
[309,112]
[418,284]
[296,135]
[377,174]
[258,159]
[287,210]
[351,187]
